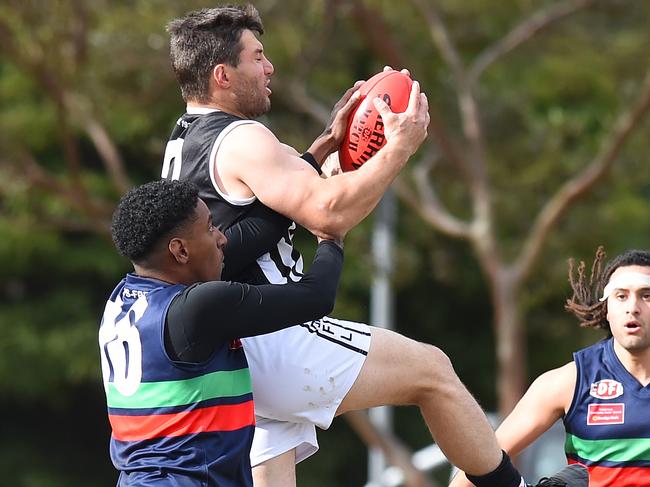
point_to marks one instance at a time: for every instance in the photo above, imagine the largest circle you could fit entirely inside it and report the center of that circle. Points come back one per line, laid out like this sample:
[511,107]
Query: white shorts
[300,376]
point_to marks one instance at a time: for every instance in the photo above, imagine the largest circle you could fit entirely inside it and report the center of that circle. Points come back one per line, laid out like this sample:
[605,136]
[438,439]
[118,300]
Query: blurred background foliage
[87,100]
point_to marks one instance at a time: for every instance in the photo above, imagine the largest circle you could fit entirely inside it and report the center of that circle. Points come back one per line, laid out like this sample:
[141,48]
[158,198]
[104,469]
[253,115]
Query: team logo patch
[606,389]
[598,414]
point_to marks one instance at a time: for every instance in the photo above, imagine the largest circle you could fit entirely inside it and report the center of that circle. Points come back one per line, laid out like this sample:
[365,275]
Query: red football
[365,134]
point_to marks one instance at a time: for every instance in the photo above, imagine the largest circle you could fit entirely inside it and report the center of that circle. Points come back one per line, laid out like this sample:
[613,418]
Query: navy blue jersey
[608,423]
[177,382]
[172,423]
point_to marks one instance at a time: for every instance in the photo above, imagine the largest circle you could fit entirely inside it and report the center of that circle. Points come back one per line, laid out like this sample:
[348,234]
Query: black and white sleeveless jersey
[191,154]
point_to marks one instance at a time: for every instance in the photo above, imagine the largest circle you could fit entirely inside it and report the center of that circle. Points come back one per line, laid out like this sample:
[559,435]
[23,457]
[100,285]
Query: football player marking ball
[365,133]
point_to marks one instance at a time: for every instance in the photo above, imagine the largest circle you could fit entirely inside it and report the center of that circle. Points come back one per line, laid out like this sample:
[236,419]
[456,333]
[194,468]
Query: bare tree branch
[294,92]
[524,31]
[380,40]
[466,100]
[426,203]
[106,148]
[448,147]
[68,104]
[441,39]
[395,452]
[480,231]
[583,182]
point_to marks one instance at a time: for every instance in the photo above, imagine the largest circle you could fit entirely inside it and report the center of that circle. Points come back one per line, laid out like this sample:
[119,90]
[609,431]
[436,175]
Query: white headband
[624,280]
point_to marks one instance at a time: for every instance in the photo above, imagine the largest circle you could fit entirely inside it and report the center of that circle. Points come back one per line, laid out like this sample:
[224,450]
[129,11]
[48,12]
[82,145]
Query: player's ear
[179,250]
[221,76]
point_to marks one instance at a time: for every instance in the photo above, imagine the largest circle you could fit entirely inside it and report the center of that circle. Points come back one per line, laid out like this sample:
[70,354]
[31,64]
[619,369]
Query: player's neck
[203,107]
[214,104]
[207,108]
[149,273]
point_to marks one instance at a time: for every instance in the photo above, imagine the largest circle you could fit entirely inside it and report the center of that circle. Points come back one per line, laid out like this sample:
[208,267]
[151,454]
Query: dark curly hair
[204,38]
[584,303]
[150,212]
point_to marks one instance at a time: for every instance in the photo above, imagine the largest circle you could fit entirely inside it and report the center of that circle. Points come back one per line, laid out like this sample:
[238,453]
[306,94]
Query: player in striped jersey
[177,382]
[603,395]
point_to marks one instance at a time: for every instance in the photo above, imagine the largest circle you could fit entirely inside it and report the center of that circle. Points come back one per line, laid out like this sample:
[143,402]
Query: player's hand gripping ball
[365,134]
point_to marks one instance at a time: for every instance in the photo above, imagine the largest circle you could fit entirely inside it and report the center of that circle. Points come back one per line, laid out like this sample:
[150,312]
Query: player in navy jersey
[603,395]
[304,376]
[177,383]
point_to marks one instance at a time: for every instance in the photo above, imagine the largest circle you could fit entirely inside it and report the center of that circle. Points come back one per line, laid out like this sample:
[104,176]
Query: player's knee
[435,375]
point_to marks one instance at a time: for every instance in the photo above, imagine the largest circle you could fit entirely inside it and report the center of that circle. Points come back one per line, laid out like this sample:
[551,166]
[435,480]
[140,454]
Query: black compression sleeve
[207,315]
[248,239]
[307,156]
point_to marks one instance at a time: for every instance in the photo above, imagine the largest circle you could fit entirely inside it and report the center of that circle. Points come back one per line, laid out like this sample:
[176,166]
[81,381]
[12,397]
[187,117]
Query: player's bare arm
[253,161]
[547,400]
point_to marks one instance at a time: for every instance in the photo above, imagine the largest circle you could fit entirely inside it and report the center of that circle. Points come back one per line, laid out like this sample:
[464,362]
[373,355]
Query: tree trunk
[511,370]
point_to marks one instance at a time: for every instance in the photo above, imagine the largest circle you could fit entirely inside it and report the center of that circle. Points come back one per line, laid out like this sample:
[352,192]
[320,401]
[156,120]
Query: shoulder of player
[247,134]
[251,142]
[260,150]
[560,376]
[556,386]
